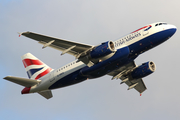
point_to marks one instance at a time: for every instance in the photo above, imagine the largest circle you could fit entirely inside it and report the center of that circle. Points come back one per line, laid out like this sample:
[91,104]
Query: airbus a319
[114,58]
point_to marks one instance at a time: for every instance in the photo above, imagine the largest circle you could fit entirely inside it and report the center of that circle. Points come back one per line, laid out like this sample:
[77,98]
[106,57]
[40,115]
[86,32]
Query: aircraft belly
[109,68]
[70,79]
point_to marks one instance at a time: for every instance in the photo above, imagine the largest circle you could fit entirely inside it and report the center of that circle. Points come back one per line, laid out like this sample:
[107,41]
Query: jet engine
[102,50]
[143,70]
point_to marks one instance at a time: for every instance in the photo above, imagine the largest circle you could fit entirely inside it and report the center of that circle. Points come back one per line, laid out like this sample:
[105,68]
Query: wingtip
[20,33]
[6,78]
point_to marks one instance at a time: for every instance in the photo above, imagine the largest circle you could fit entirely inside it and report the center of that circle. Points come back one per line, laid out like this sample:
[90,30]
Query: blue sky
[91,22]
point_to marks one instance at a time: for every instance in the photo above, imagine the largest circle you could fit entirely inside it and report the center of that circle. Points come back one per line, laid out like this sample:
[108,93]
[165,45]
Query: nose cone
[172,29]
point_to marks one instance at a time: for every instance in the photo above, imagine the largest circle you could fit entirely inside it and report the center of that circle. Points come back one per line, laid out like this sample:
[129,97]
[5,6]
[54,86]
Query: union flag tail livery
[114,58]
[34,67]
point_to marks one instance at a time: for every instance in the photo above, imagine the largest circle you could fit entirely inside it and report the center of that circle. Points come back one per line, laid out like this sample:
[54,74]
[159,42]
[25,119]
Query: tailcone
[25,90]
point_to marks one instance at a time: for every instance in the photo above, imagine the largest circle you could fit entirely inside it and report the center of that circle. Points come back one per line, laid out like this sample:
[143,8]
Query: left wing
[73,48]
[122,73]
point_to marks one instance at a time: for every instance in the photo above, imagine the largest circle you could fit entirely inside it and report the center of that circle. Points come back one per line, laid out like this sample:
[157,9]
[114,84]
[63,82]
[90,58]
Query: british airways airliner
[109,58]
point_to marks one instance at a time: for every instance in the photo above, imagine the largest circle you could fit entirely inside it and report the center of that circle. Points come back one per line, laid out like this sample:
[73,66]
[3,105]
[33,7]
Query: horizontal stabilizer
[22,81]
[47,94]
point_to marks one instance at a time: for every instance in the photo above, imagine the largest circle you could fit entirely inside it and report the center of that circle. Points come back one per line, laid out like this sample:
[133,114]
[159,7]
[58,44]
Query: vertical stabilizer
[34,67]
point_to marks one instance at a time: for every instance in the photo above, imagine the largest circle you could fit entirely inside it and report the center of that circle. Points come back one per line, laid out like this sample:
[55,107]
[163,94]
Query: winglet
[20,33]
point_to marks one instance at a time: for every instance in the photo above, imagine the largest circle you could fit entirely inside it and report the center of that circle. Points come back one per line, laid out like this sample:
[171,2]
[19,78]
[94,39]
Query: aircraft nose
[172,29]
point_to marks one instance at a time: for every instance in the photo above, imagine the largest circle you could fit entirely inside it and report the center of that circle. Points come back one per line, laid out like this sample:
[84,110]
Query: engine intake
[144,70]
[102,50]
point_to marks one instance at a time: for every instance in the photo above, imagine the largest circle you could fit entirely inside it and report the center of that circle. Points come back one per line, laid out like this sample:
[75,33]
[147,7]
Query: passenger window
[156,25]
[160,23]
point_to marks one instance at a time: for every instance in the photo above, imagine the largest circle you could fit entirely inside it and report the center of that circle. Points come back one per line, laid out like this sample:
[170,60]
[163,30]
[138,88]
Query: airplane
[109,58]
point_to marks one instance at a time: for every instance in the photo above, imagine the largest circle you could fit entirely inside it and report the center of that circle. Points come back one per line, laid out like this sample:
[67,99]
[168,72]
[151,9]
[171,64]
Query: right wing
[121,73]
[73,48]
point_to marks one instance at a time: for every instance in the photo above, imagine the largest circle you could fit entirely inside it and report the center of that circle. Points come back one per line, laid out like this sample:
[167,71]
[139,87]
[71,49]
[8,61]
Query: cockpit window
[158,24]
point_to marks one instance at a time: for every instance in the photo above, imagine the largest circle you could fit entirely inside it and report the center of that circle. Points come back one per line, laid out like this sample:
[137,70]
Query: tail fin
[34,67]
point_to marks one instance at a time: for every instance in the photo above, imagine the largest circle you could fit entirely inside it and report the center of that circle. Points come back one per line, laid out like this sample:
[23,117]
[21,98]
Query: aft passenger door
[51,76]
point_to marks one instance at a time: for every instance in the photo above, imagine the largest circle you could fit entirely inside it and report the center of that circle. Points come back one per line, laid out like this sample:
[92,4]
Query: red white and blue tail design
[34,67]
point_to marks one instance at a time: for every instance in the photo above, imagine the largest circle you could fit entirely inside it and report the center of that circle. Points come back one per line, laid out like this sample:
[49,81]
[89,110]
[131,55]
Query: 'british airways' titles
[127,38]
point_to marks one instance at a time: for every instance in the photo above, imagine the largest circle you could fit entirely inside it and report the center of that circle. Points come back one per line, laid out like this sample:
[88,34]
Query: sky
[90,22]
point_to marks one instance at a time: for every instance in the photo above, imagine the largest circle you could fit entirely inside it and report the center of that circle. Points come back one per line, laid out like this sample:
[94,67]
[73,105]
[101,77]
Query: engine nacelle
[143,70]
[120,55]
[102,50]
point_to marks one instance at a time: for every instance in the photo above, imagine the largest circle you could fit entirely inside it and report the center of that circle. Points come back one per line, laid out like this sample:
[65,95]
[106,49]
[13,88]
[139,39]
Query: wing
[65,46]
[121,73]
